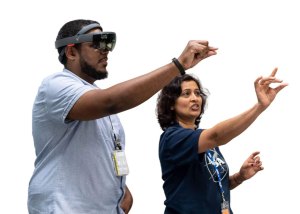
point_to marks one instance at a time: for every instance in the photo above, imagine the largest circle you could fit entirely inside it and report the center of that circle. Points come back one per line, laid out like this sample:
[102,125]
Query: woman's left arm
[250,167]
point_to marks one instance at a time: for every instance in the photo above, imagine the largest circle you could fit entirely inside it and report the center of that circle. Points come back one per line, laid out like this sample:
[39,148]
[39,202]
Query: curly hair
[169,94]
[71,28]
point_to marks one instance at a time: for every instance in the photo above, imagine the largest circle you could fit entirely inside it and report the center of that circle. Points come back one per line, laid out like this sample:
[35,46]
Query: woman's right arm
[225,131]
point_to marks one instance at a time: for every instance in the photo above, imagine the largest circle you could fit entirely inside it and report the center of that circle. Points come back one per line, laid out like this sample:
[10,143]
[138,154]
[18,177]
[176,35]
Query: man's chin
[92,72]
[101,75]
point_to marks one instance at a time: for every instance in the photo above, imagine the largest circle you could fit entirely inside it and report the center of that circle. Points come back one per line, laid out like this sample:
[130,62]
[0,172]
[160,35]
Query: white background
[253,37]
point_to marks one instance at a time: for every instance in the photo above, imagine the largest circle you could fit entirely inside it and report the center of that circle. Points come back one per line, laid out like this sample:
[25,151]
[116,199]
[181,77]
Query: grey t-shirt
[74,171]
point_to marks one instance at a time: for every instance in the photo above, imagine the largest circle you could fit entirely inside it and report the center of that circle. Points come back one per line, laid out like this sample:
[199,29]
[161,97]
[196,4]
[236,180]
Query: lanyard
[116,140]
[212,159]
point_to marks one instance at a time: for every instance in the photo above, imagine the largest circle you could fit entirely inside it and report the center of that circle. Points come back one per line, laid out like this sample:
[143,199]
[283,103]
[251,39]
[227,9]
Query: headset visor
[105,41]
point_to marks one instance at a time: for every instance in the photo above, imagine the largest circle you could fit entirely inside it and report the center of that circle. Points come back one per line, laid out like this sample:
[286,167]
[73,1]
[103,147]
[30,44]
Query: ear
[71,52]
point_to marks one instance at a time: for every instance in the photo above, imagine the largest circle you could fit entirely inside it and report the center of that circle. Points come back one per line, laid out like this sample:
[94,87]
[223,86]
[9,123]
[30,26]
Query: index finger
[252,156]
[274,72]
[202,42]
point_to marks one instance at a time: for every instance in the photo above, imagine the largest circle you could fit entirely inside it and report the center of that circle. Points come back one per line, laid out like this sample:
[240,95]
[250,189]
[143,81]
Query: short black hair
[71,28]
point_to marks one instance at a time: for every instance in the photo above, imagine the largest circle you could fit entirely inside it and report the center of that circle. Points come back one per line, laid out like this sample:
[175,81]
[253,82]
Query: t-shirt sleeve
[61,94]
[181,146]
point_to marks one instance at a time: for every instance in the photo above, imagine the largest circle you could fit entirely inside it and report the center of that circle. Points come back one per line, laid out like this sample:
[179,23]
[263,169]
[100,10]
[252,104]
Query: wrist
[179,66]
[238,178]
[260,107]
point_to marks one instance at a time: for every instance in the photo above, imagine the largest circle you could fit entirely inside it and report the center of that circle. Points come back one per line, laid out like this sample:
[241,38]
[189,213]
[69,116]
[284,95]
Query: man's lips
[103,60]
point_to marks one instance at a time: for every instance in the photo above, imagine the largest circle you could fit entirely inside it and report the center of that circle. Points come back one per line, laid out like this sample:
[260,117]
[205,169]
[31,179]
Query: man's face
[93,62]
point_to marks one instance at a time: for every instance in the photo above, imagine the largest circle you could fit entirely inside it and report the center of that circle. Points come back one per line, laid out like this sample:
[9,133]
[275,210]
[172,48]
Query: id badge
[225,207]
[120,163]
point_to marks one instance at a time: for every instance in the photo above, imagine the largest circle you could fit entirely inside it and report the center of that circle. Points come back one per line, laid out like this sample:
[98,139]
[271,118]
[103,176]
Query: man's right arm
[129,94]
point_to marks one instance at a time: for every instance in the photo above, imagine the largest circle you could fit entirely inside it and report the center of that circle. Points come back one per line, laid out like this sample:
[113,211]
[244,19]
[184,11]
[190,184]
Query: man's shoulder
[60,74]
[61,78]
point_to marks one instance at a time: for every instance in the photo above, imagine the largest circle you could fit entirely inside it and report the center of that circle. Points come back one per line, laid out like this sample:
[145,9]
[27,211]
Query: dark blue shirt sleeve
[179,145]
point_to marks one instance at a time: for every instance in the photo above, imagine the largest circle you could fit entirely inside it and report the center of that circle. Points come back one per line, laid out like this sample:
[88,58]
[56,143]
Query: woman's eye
[198,93]
[185,94]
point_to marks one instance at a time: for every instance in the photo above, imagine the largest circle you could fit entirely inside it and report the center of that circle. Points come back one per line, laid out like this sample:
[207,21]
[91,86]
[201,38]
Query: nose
[102,51]
[194,96]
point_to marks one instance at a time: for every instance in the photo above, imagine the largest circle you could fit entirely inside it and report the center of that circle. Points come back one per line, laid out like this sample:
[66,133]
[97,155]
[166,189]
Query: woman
[196,176]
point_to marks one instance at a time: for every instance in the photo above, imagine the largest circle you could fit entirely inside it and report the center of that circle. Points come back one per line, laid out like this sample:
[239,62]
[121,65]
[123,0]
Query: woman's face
[188,105]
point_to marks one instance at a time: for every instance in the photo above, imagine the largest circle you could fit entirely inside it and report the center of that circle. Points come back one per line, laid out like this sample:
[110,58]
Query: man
[79,141]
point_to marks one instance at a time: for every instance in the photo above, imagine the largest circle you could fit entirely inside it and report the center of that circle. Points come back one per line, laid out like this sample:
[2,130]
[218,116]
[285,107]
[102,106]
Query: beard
[91,71]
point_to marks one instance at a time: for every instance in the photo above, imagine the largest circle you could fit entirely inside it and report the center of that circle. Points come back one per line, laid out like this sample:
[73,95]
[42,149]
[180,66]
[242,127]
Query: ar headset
[104,41]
